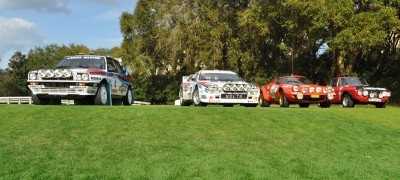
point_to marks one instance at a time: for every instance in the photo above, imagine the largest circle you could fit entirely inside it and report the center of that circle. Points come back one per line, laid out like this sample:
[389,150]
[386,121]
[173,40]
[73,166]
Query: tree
[15,76]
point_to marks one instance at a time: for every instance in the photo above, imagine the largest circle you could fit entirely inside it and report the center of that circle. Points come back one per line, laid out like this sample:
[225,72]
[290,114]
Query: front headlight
[254,92]
[365,93]
[240,87]
[234,87]
[247,87]
[312,89]
[359,92]
[78,77]
[32,76]
[85,77]
[49,73]
[42,73]
[330,96]
[371,95]
[304,90]
[330,89]
[381,95]
[67,73]
[295,88]
[226,87]
[58,73]
[319,89]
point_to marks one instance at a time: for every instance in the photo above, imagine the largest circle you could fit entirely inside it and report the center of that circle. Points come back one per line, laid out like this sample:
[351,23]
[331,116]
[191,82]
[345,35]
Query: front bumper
[229,99]
[367,100]
[72,91]
[297,97]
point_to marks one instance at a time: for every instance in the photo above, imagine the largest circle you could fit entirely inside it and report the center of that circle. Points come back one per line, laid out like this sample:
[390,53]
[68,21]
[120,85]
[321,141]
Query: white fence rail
[16,100]
[28,100]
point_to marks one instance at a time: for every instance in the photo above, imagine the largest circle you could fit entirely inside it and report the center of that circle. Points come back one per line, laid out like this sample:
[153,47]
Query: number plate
[374,100]
[315,96]
[234,96]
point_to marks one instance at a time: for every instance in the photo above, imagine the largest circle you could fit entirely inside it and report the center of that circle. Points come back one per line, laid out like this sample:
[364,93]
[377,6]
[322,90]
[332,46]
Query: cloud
[52,6]
[17,35]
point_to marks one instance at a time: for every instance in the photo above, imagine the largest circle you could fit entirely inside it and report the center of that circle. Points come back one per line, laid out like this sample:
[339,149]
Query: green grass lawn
[172,142]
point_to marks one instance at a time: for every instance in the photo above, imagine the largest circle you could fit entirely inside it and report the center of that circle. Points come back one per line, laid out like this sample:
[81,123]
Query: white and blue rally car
[217,87]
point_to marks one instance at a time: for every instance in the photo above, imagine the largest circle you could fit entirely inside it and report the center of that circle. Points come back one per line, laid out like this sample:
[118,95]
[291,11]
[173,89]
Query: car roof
[217,71]
[291,76]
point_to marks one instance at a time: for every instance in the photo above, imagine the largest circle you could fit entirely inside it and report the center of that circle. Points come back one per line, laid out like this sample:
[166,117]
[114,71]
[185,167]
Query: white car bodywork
[104,81]
[217,87]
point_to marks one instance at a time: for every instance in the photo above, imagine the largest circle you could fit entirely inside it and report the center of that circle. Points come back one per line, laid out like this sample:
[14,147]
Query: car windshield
[354,81]
[297,80]
[219,77]
[76,62]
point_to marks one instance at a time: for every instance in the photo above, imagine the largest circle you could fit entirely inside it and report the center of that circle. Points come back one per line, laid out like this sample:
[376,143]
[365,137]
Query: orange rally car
[296,89]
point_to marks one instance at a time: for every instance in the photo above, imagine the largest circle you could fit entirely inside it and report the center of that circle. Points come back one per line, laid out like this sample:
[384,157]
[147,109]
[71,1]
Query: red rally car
[288,90]
[356,90]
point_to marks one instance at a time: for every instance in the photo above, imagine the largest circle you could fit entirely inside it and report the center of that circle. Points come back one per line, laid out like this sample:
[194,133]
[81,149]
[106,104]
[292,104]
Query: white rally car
[87,79]
[217,87]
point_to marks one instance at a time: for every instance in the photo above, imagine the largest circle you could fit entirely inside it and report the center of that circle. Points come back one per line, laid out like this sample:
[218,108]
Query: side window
[279,81]
[334,82]
[195,76]
[113,66]
[118,66]
[343,82]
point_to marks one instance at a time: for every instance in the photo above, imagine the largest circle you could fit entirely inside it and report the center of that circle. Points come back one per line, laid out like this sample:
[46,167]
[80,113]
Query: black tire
[304,105]
[196,98]
[263,102]
[39,101]
[283,102]
[102,96]
[347,101]
[127,100]
[381,105]
[325,104]
[182,101]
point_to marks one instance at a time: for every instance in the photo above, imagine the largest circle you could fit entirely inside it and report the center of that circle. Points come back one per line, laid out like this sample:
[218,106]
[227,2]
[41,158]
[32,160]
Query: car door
[114,72]
[274,90]
[335,83]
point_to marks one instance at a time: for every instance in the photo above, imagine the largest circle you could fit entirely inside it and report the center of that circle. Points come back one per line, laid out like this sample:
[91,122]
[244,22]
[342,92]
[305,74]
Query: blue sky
[25,24]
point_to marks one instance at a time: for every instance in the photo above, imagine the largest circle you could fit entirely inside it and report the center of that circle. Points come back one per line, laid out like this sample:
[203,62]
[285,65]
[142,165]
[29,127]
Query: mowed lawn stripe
[198,142]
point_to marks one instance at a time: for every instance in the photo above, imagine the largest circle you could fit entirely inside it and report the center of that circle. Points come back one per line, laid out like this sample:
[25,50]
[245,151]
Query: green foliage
[259,39]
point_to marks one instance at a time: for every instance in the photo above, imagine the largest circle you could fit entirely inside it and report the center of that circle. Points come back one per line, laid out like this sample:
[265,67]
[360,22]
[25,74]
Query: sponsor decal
[122,88]
[95,78]
[83,57]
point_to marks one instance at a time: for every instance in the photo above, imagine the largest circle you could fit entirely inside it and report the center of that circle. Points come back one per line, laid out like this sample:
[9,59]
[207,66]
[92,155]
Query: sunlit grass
[161,142]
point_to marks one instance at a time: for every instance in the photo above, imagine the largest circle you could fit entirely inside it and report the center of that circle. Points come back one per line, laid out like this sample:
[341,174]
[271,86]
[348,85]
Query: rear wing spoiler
[185,79]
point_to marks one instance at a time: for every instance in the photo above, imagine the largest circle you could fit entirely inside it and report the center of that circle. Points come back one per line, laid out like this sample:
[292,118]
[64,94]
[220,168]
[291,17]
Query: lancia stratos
[295,89]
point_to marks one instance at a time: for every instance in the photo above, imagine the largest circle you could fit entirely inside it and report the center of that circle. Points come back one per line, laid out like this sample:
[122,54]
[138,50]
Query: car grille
[58,84]
[59,90]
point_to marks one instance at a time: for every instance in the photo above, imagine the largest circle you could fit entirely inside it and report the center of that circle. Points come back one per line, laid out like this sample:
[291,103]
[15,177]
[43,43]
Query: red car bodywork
[355,90]
[288,90]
